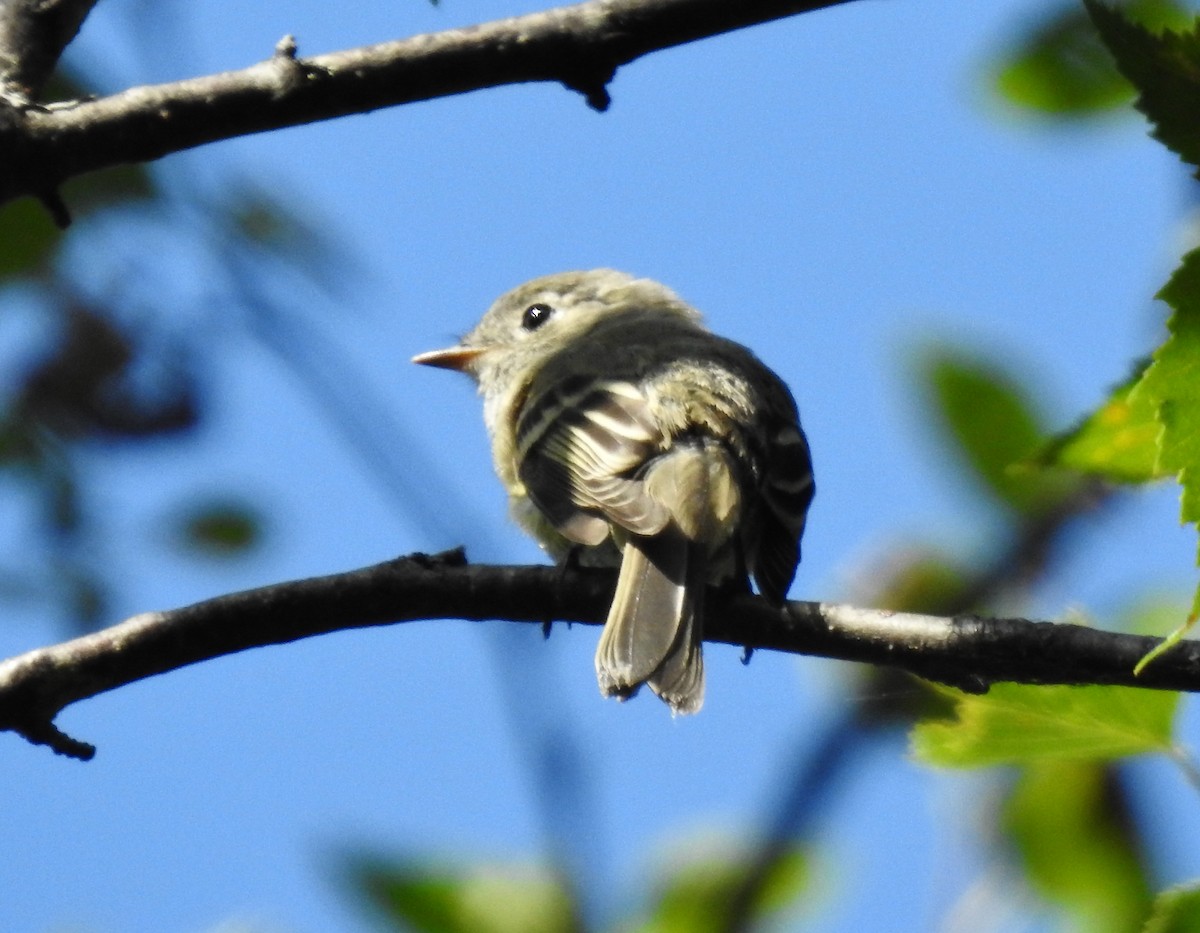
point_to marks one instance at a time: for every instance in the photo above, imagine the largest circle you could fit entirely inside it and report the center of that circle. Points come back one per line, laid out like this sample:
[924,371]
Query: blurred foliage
[1176,910]
[253,224]
[220,528]
[85,386]
[1070,824]
[420,897]
[1057,65]
[695,894]
[1065,818]
[107,371]
[918,579]
[1066,814]
[98,382]
[992,423]
[28,238]
[120,186]
[698,892]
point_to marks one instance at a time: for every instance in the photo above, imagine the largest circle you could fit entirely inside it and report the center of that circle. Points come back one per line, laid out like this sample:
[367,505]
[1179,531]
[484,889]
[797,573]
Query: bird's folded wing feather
[579,448]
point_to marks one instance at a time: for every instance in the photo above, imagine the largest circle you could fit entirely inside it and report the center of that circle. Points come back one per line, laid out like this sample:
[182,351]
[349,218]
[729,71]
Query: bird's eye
[536,315]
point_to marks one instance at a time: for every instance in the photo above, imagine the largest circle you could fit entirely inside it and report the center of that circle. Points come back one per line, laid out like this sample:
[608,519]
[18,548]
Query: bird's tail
[653,634]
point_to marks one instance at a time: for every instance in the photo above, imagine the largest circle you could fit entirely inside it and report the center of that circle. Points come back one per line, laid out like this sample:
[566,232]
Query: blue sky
[836,190]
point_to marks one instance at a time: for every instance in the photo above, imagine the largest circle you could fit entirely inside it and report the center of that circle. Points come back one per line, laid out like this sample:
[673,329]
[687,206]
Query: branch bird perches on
[966,651]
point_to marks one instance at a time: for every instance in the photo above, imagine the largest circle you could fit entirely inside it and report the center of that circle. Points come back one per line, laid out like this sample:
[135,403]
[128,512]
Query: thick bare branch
[580,46]
[967,651]
[33,34]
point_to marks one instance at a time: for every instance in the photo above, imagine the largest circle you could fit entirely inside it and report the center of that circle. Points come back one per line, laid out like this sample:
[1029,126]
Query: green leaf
[698,895]
[419,896]
[1073,831]
[994,425]
[1176,910]
[1118,441]
[1164,68]
[1172,385]
[1060,67]
[221,528]
[1019,723]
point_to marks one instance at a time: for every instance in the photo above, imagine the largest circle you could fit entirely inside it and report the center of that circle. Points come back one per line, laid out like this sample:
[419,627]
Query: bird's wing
[579,446]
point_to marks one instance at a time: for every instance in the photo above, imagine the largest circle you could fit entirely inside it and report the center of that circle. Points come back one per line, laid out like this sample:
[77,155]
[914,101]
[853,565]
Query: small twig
[57,208]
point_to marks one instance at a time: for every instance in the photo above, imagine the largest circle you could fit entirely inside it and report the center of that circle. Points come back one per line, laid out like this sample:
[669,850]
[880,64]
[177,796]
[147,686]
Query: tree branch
[579,46]
[33,34]
[967,651]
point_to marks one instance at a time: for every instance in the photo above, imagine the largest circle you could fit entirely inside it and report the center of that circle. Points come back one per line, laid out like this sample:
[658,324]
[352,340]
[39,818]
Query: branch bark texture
[967,651]
[580,46]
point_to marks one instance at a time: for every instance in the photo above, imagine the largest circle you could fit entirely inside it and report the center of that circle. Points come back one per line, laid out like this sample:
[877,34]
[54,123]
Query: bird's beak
[457,358]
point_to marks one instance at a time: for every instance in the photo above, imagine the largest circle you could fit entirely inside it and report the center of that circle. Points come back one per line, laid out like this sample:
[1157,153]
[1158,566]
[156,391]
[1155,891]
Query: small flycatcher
[623,427]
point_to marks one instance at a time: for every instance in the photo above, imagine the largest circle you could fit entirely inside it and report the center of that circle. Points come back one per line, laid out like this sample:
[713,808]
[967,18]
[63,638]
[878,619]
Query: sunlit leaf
[1176,910]
[1165,69]
[1118,441]
[1070,823]
[1172,385]
[426,898]
[1018,723]
[1059,66]
[995,427]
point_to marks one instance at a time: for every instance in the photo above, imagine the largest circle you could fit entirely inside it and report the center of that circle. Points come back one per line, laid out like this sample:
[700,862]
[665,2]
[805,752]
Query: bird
[626,432]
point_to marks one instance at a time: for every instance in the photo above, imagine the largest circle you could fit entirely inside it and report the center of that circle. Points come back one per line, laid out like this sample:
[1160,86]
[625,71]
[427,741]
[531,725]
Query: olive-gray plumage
[622,426]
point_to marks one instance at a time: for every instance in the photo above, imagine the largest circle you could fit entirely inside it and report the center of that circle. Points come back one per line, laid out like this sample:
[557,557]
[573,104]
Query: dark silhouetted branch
[578,46]
[967,651]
